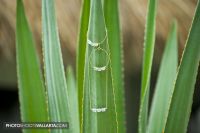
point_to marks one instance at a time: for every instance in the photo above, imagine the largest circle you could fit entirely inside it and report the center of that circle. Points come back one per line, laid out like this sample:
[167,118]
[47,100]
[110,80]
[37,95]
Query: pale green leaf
[54,69]
[99,105]
[164,85]
[73,100]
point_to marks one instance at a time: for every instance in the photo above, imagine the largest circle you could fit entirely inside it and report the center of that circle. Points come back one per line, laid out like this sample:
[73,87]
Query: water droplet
[96,44]
[99,68]
[93,44]
[99,60]
[98,110]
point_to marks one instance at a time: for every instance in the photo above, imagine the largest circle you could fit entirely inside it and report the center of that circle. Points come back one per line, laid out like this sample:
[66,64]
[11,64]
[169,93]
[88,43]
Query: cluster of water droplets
[98,62]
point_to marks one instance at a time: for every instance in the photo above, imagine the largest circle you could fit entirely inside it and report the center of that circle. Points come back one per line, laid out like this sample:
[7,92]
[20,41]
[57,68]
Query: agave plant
[93,101]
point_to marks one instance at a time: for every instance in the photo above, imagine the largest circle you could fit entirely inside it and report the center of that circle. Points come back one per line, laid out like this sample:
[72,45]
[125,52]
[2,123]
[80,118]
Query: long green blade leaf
[31,89]
[99,94]
[116,57]
[184,87]
[165,83]
[73,100]
[54,69]
[80,58]
[147,64]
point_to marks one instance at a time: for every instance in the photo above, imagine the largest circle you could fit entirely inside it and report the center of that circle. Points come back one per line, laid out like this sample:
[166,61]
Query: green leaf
[31,89]
[99,105]
[147,64]
[165,83]
[116,57]
[181,101]
[80,58]
[73,100]
[54,69]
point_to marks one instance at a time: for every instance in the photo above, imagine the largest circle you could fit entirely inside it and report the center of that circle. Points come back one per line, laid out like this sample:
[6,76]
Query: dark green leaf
[181,101]
[116,57]
[147,64]
[31,89]
[80,59]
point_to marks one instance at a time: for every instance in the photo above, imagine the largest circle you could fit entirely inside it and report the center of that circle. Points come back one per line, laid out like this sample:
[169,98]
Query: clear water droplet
[99,68]
[93,44]
[98,110]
